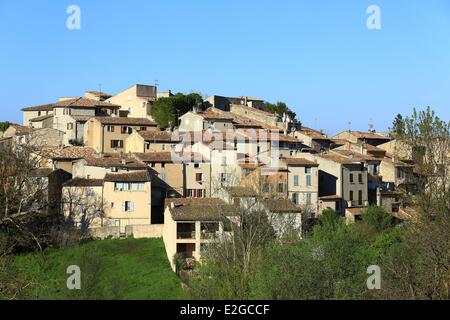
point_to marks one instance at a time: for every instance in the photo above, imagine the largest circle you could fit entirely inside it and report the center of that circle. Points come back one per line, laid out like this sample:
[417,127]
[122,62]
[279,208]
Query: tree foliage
[279,108]
[165,111]
[4,126]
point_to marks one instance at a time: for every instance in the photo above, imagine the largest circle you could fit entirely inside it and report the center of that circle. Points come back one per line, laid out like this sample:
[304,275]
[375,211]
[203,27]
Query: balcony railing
[186,235]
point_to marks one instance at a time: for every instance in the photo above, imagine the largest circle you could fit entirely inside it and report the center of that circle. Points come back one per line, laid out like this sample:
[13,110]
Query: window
[295,198]
[126,130]
[116,144]
[308,170]
[296,181]
[110,128]
[143,128]
[280,187]
[360,178]
[196,165]
[351,177]
[127,206]
[266,187]
[199,177]
[308,199]
[39,113]
[200,193]
[223,177]
[112,205]
[351,195]
[125,186]
[114,169]
[147,146]
[308,181]
[163,147]
[360,197]
[70,126]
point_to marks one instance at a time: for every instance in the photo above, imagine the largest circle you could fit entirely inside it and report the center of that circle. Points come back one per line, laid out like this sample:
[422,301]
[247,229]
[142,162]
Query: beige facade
[150,141]
[109,134]
[136,101]
[342,178]
[303,183]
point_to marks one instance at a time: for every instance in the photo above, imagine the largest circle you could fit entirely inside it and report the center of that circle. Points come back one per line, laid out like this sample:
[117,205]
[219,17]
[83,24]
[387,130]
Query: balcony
[185,235]
[186,231]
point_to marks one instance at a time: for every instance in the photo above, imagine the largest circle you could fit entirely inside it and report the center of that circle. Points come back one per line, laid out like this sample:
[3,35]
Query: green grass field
[110,269]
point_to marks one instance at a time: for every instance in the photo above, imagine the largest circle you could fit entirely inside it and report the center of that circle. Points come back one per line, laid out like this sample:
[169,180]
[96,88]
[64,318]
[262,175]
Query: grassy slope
[110,269]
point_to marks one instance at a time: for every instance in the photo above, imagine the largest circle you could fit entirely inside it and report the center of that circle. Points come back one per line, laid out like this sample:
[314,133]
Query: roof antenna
[99,87]
[156,82]
[349,126]
[371,126]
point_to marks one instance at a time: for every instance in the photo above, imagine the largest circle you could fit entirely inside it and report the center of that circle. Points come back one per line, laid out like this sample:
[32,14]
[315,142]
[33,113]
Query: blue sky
[317,56]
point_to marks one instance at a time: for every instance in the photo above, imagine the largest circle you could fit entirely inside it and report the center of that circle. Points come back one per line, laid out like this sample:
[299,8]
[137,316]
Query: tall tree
[398,126]
[279,108]
[165,111]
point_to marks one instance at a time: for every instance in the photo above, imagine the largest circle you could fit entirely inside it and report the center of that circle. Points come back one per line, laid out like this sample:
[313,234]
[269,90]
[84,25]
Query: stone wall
[145,231]
[105,232]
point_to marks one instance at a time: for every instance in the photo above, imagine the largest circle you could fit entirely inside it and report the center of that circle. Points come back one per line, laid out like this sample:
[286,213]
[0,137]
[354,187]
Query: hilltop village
[187,182]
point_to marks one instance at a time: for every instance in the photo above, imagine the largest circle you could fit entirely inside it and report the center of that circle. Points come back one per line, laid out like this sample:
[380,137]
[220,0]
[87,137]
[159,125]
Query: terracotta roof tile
[300,161]
[45,107]
[42,118]
[66,152]
[79,182]
[125,121]
[84,103]
[204,209]
[156,135]
[132,176]
[281,206]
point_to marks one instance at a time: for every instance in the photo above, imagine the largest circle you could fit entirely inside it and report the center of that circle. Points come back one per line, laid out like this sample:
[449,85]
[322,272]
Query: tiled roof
[337,158]
[205,209]
[42,118]
[210,114]
[156,135]
[21,129]
[241,121]
[132,176]
[356,156]
[251,109]
[125,121]
[301,162]
[313,134]
[66,152]
[84,103]
[159,157]
[114,160]
[45,107]
[80,182]
[368,135]
[281,206]
[243,192]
